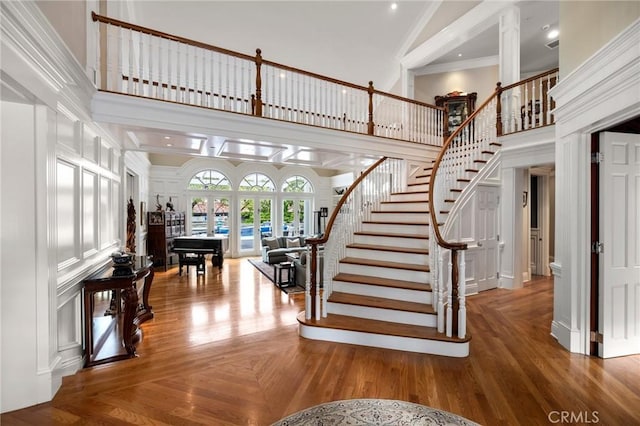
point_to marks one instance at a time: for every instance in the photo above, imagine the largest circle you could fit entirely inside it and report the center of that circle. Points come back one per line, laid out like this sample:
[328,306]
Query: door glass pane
[287,217]
[221,215]
[302,204]
[199,211]
[247,216]
[265,219]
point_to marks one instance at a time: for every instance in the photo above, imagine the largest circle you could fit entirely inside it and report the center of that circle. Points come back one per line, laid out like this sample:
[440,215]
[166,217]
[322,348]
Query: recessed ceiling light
[553,34]
[394,6]
[545,27]
[167,137]
[459,54]
[169,144]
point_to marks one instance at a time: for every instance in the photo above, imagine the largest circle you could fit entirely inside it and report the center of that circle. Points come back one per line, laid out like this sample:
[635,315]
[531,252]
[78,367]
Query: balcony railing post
[371,125]
[258,100]
[499,108]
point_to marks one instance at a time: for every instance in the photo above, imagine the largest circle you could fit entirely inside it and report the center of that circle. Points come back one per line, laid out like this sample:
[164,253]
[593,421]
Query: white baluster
[441,290]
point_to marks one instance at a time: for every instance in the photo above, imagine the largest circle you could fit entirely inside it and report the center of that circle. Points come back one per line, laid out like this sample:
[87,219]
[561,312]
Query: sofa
[300,265]
[275,249]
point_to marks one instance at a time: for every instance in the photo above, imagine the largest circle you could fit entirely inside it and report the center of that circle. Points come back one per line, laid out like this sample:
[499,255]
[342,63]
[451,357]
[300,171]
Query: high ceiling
[354,41]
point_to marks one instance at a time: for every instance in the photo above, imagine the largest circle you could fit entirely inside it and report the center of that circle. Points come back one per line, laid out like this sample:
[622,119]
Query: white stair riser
[390,315]
[409,344]
[407,295]
[390,273]
[409,196]
[399,217]
[391,241]
[420,206]
[395,228]
[389,256]
[418,186]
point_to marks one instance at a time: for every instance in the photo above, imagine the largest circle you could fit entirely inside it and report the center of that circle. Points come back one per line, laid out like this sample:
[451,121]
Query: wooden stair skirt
[382,334]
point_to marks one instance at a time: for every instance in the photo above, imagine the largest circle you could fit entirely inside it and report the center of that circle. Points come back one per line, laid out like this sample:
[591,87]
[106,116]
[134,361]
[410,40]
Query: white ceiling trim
[487,61]
[474,22]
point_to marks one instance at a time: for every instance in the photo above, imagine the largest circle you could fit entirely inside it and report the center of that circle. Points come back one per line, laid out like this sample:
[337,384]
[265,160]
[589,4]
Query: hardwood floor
[223,350]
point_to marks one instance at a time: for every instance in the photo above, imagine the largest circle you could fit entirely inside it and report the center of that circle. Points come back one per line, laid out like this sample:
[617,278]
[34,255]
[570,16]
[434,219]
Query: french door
[210,215]
[296,216]
[255,222]
[619,258]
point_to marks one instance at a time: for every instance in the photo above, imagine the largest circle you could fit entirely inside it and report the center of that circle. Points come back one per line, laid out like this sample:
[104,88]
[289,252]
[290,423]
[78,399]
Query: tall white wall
[594,97]
[61,202]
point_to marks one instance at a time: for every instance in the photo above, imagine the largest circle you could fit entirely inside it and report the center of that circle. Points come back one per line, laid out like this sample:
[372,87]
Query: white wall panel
[69,323]
[67,212]
[89,209]
[105,214]
[90,144]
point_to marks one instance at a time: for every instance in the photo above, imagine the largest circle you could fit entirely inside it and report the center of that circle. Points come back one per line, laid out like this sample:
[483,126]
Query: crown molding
[600,92]
[36,57]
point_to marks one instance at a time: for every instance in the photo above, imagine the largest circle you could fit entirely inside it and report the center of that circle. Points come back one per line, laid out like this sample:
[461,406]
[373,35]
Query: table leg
[129,323]
[146,313]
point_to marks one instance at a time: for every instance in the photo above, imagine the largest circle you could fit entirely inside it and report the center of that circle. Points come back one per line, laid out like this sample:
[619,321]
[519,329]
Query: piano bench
[191,260]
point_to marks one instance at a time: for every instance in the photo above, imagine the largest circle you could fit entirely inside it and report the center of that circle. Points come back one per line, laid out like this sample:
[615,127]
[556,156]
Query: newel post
[499,108]
[313,264]
[258,100]
[370,126]
[454,289]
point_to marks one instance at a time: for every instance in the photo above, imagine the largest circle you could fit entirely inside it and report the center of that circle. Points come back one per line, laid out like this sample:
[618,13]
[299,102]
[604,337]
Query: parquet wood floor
[223,350]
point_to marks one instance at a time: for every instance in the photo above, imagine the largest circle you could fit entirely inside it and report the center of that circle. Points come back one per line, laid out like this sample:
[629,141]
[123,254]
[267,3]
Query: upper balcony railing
[143,62]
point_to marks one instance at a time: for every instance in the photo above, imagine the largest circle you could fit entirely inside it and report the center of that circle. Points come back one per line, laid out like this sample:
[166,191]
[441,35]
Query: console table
[113,337]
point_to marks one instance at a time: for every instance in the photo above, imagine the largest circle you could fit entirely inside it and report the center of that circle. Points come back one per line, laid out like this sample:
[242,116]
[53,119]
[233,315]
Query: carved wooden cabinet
[459,106]
[163,227]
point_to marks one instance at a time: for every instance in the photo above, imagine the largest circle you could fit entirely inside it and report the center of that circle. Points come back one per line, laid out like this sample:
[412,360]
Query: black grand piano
[192,251]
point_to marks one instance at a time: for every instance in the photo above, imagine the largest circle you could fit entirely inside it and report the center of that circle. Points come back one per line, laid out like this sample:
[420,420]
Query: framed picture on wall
[459,106]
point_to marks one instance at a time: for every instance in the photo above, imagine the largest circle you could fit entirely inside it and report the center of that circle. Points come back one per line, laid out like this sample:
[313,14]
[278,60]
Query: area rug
[371,412]
[267,270]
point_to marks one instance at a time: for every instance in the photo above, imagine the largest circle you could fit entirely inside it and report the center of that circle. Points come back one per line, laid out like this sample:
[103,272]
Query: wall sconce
[525,195]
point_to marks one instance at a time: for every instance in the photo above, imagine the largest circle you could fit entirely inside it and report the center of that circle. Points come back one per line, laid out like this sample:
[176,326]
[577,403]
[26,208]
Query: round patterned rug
[370,412]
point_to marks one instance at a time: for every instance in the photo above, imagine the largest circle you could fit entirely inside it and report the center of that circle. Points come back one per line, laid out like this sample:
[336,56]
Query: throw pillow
[271,243]
[293,243]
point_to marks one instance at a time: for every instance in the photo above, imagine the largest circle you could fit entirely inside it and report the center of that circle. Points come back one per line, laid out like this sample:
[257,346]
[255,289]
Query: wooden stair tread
[384,222]
[456,190]
[385,264]
[403,201]
[388,248]
[410,192]
[402,211]
[388,234]
[381,303]
[342,322]
[488,152]
[382,282]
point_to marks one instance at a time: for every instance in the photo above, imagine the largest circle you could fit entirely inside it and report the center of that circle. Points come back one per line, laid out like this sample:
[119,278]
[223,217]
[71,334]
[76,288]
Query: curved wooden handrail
[432,211]
[145,30]
[341,202]
[535,77]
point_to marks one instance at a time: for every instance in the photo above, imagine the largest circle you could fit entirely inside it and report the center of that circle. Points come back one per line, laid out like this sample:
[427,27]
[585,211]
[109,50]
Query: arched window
[297,184]
[257,182]
[210,180]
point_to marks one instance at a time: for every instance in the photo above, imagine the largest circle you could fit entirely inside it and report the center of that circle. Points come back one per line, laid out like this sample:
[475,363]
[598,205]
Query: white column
[509,51]
[573,217]
[511,235]
[407,79]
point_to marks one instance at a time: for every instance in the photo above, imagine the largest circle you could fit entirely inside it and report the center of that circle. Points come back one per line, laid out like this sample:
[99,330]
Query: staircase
[381,294]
